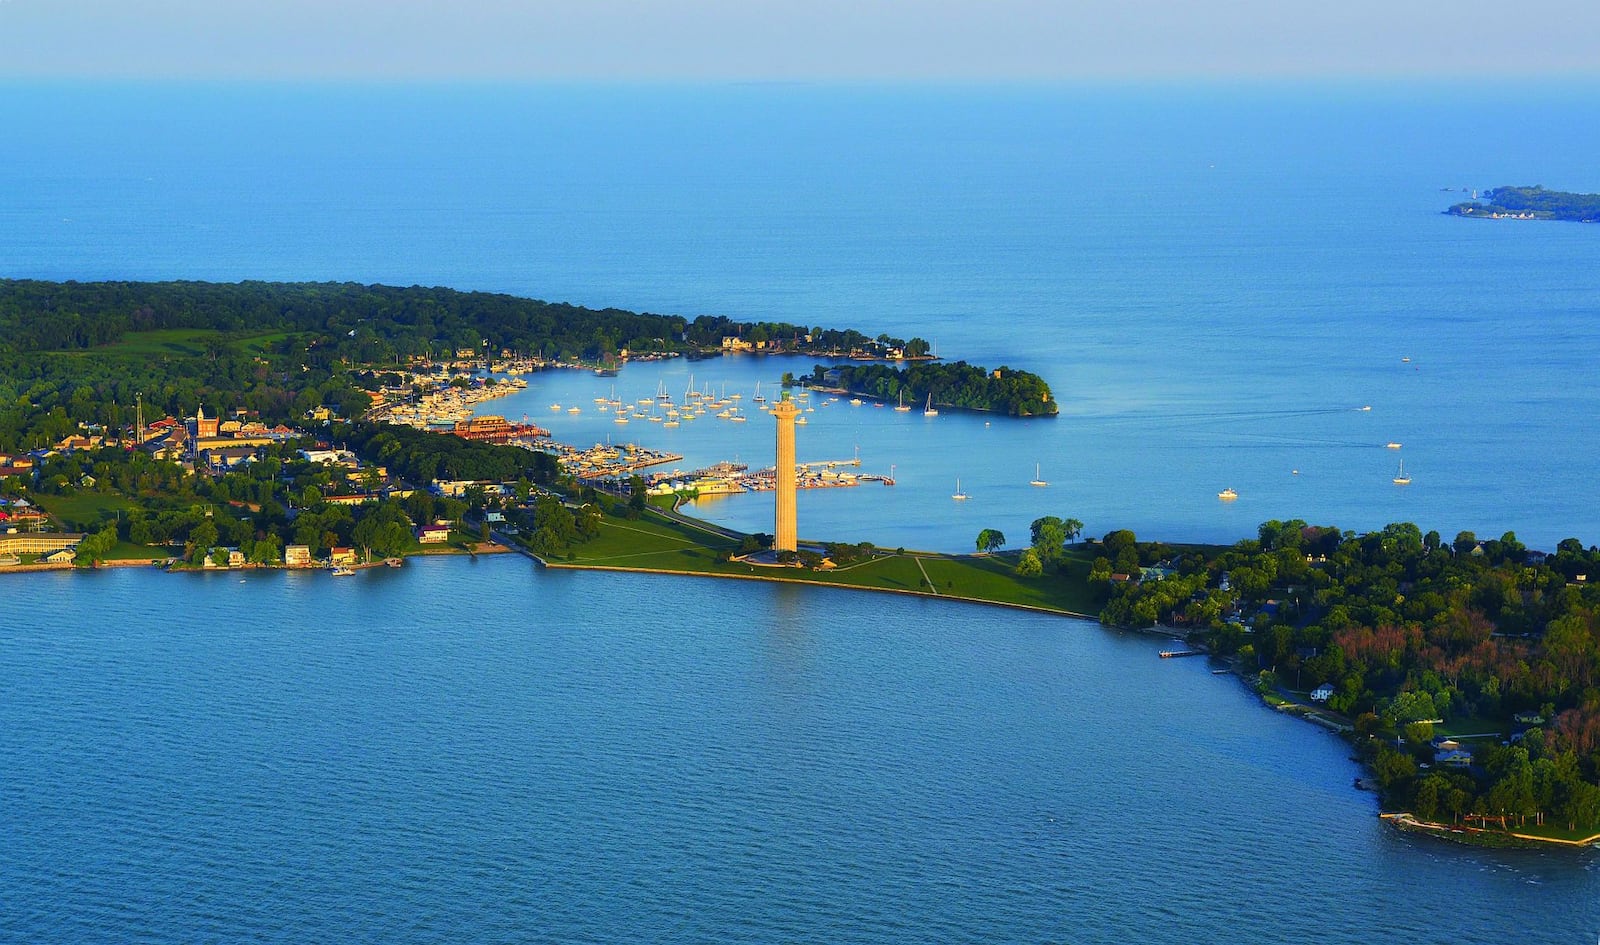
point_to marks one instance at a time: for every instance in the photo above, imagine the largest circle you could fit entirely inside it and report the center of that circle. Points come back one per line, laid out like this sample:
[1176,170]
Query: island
[935,386]
[1530,203]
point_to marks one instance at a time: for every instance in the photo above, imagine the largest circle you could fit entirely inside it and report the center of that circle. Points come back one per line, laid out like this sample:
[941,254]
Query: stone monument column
[785,530]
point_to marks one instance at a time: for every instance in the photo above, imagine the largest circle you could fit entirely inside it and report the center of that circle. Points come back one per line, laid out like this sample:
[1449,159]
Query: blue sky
[696,40]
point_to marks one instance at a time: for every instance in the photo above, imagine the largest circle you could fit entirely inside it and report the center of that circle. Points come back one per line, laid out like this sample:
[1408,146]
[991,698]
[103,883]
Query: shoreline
[566,566]
[1479,836]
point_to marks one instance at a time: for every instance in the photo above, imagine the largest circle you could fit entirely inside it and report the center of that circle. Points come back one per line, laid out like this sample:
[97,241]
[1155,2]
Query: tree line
[957,384]
[1407,628]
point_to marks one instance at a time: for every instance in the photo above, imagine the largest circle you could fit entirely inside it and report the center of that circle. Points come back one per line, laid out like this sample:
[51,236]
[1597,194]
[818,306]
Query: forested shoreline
[1415,638]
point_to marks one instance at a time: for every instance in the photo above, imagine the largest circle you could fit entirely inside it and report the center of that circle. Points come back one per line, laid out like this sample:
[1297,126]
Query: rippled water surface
[467,751]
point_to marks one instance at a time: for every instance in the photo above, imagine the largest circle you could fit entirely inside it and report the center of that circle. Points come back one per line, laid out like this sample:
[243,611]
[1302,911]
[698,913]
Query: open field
[656,544]
[182,342]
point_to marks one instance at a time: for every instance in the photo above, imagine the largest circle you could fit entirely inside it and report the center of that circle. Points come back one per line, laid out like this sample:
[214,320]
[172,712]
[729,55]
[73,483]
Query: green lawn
[85,511]
[653,543]
[1555,830]
[126,551]
[182,342]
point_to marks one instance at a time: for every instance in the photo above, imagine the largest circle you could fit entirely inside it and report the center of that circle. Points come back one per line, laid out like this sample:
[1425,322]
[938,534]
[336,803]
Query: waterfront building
[786,528]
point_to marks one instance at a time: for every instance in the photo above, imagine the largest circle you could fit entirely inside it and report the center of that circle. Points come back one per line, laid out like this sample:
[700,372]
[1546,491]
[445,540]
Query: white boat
[959,495]
[801,420]
[1228,495]
[1400,478]
[574,410]
[928,411]
[855,401]
[343,571]
[1391,446]
[555,406]
[620,419]
[758,398]
[1036,481]
[901,407]
[1366,409]
[670,424]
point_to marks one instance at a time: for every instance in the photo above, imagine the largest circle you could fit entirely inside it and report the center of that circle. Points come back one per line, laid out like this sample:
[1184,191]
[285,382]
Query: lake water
[1212,280]
[473,751]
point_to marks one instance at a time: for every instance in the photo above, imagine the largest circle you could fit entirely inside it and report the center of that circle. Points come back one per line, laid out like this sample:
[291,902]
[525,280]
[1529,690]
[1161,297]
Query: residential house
[297,556]
[1322,693]
[433,534]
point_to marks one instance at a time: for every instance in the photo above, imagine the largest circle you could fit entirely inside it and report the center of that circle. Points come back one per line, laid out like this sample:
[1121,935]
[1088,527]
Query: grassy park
[657,543]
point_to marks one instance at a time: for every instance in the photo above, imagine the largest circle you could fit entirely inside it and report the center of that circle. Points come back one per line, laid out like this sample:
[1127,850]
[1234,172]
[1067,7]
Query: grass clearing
[182,342]
[652,543]
[85,511]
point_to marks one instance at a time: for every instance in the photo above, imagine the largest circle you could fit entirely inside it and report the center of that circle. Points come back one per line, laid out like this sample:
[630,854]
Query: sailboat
[758,398]
[959,496]
[1036,481]
[928,411]
[902,408]
[1400,478]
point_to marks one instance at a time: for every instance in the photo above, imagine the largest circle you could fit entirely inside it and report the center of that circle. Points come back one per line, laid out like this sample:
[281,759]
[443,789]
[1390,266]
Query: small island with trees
[1530,203]
[957,385]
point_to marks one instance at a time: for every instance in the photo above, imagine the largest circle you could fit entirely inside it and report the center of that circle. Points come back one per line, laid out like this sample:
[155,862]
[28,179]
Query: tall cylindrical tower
[785,530]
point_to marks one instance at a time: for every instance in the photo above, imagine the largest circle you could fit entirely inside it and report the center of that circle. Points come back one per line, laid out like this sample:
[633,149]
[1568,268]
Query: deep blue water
[470,751]
[1212,279]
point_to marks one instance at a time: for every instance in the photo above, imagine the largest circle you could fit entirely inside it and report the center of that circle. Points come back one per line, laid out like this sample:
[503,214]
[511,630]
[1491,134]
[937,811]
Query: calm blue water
[1211,279]
[474,752]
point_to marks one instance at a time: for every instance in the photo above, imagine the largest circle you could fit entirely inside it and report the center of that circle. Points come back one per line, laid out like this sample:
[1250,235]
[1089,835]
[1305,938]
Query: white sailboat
[959,495]
[901,407]
[928,411]
[1400,478]
[1036,481]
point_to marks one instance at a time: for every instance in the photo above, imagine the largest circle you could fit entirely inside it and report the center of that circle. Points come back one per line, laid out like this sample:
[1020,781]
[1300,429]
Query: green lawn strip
[127,551]
[994,579]
[651,543]
[85,511]
[1552,830]
[1473,725]
[656,544]
[181,342]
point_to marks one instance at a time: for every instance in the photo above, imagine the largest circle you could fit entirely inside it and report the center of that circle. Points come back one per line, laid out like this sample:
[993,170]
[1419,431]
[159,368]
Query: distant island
[1530,203]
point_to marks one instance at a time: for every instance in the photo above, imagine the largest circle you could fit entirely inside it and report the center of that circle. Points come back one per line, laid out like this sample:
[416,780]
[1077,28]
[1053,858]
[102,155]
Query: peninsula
[210,426]
[1530,203]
